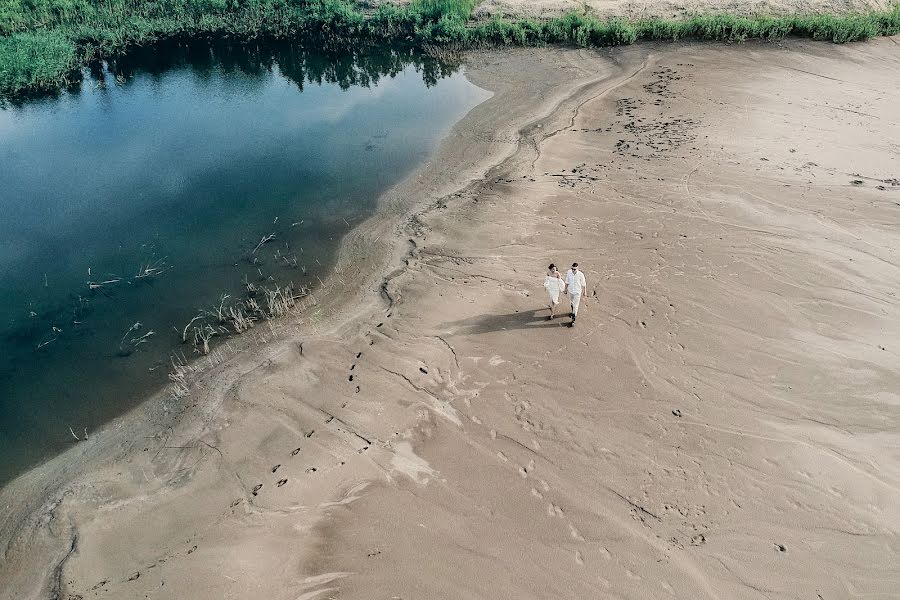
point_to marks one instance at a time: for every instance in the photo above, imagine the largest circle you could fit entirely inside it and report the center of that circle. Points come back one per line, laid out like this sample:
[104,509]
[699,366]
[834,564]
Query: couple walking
[573,284]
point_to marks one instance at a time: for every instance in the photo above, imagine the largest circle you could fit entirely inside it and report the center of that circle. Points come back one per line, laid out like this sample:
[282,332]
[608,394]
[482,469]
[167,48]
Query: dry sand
[723,422]
[672,8]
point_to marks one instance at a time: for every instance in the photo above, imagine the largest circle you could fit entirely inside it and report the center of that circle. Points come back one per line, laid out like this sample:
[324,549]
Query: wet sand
[721,423]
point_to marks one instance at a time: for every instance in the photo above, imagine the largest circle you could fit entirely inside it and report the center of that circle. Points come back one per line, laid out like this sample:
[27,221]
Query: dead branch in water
[96,285]
[152,269]
[126,346]
[239,320]
[202,335]
[220,311]
[78,439]
[47,342]
[184,332]
[265,240]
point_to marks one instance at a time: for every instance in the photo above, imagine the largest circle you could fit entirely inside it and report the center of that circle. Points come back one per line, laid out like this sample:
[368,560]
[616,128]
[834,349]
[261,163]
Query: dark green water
[182,160]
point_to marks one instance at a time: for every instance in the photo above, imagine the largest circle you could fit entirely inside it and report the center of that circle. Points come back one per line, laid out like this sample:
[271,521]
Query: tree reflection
[302,66]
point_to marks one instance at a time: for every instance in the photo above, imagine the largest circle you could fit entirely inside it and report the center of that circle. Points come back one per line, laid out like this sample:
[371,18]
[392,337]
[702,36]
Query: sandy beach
[722,422]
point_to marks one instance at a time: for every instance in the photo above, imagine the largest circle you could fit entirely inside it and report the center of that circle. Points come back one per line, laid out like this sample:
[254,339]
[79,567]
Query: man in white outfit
[576,288]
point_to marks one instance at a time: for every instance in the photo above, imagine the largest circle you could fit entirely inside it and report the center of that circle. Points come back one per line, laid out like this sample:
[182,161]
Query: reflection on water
[177,182]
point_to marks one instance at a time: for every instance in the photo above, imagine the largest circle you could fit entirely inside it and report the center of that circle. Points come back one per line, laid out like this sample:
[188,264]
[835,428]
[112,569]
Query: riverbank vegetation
[45,43]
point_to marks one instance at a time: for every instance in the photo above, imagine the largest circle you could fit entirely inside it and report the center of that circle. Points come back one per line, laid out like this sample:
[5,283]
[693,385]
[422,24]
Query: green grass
[38,60]
[43,43]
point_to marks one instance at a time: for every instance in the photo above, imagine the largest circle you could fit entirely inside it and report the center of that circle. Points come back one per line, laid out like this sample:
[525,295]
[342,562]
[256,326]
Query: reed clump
[234,316]
[44,43]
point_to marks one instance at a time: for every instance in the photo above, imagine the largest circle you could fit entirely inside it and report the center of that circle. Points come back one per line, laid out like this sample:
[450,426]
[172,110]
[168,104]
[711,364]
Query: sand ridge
[721,423]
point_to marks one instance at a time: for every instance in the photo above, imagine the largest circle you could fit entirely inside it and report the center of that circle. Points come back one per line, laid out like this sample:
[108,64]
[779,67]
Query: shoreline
[721,423]
[44,485]
[45,55]
[48,370]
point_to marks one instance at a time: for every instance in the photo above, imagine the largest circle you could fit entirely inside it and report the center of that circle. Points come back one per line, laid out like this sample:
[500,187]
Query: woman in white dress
[555,284]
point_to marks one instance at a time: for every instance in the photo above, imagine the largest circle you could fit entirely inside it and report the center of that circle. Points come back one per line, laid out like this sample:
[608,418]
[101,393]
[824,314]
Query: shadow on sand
[527,319]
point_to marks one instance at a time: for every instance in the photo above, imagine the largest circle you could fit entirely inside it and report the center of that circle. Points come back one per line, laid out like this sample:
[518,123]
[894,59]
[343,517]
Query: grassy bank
[43,43]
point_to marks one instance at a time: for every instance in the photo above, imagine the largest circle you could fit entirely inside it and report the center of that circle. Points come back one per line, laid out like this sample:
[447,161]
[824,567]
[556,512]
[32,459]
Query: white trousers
[575,299]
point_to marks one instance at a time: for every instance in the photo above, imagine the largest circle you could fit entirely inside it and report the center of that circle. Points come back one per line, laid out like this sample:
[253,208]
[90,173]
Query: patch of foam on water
[407,462]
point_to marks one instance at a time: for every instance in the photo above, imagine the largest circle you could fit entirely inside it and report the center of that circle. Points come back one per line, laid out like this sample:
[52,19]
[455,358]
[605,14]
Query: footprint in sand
[576,535]
[281,482]
[311,470]
[358,354]
[275,468]
[256,488]
[294,452]
[579,558]
[524,471]
[554,511]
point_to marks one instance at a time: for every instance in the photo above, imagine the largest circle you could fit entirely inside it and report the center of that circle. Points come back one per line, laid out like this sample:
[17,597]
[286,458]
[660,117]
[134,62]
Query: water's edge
[368,256]
[206,251]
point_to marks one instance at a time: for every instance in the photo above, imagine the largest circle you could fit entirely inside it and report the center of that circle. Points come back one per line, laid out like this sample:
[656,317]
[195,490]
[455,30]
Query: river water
[132,203]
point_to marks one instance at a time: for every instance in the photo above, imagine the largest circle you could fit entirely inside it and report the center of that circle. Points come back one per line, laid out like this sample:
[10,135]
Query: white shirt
[575,281]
